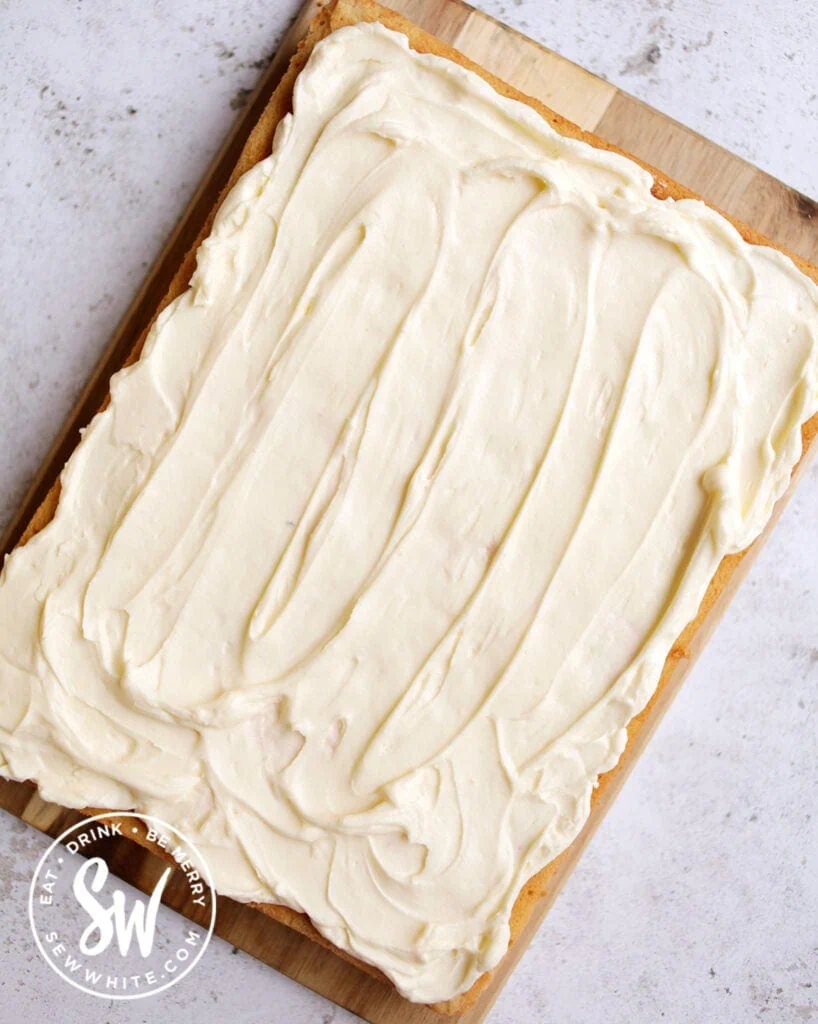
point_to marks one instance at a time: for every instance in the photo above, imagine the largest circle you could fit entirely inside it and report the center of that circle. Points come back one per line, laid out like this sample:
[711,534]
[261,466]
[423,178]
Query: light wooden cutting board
[726,181]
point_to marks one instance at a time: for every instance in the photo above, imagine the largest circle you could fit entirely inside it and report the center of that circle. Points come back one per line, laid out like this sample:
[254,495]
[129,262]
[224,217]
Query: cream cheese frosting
[379,547]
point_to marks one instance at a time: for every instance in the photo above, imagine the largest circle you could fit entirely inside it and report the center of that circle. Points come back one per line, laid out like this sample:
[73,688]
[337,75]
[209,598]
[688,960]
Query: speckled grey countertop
[698,900]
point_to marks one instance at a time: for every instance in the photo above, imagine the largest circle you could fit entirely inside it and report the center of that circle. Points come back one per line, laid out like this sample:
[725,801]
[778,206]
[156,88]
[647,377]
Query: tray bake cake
[389,534]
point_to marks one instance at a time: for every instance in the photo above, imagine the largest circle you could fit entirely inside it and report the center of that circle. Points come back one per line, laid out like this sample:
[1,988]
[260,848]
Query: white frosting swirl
[385,539]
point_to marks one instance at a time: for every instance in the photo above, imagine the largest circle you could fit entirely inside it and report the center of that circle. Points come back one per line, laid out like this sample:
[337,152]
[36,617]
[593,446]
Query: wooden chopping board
[726,181]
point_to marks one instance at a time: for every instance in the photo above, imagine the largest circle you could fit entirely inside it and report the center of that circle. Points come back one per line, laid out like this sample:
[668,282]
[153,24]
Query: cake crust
[530,905]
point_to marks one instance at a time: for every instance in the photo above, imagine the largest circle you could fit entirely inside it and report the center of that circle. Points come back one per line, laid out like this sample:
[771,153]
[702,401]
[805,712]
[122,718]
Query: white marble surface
[698,900]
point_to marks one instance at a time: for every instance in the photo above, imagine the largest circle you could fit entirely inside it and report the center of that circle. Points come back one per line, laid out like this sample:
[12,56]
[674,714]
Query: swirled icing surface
[382,543]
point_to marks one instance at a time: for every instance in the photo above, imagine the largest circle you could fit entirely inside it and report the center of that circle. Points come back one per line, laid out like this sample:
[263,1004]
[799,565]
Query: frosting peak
[386,537]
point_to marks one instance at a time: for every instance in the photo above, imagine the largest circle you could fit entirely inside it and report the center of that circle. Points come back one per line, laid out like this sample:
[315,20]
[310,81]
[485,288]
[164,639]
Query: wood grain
[564,87]
[726,181]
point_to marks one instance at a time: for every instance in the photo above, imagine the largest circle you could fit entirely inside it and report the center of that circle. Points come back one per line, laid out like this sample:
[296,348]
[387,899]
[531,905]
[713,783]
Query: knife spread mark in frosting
[385,539]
